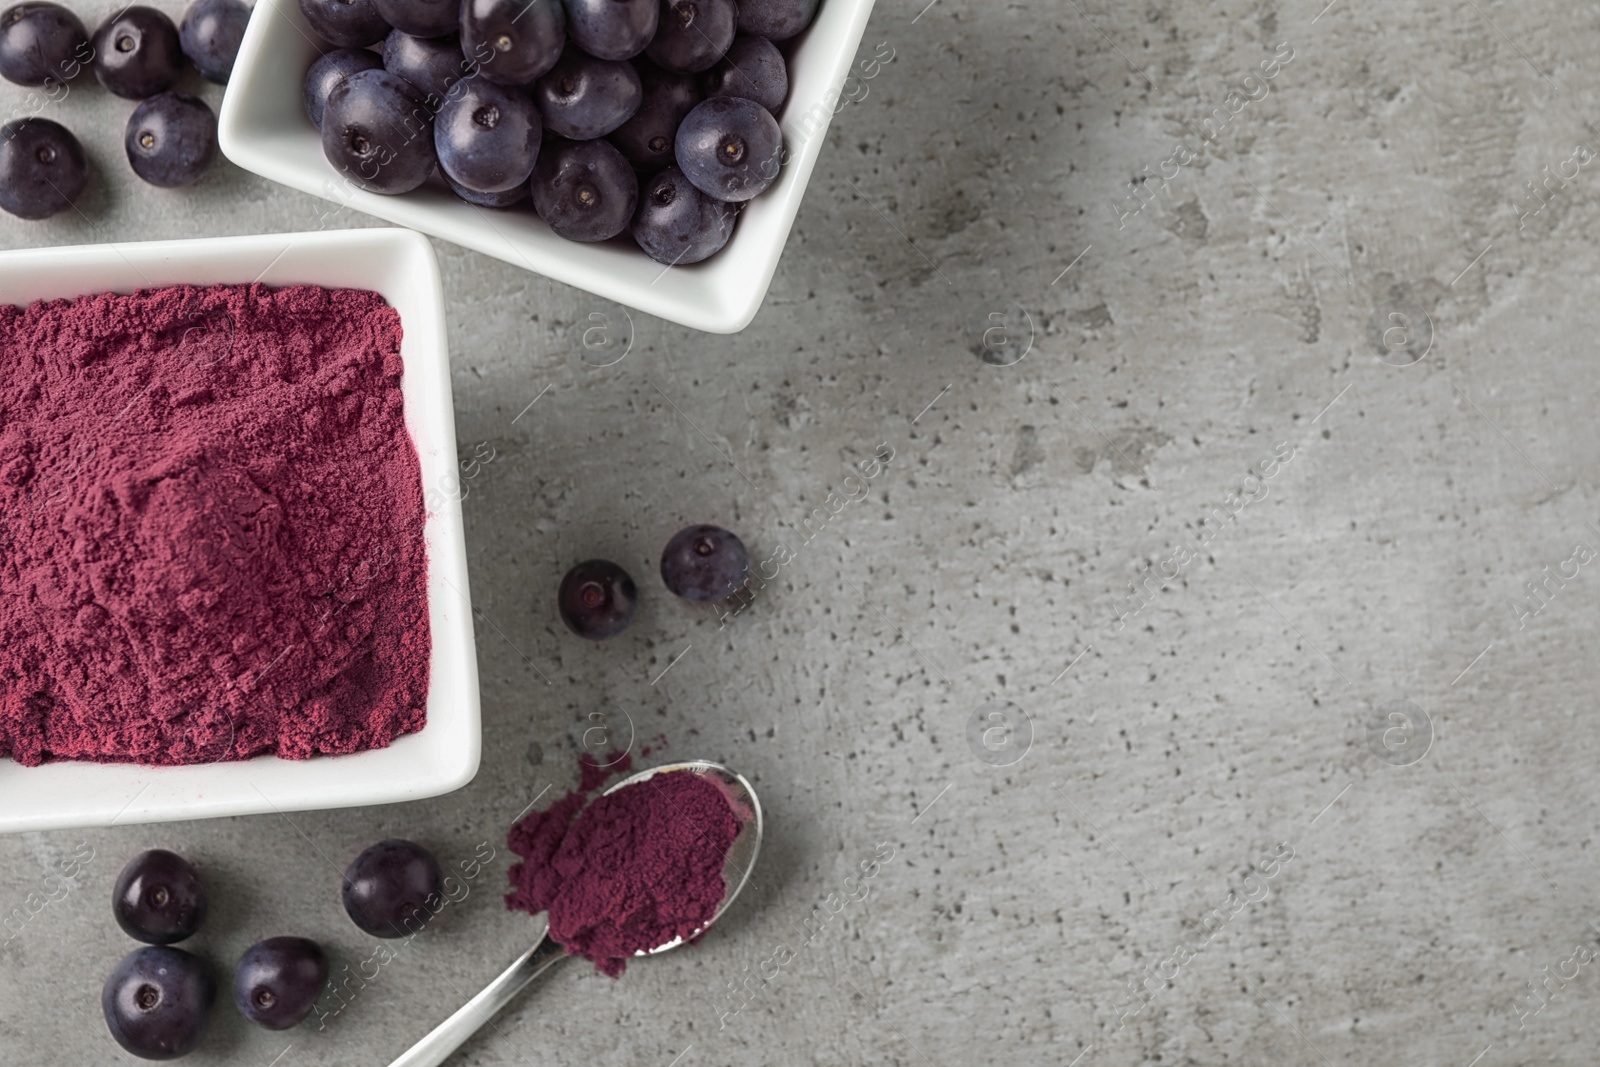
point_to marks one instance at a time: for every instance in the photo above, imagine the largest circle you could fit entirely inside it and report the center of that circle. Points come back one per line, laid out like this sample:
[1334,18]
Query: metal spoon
[449,1035]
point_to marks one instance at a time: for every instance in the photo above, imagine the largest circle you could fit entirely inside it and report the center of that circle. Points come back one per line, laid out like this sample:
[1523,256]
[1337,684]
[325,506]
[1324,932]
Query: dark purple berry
[346,23]
[329,70]
[41,43]
[514,41]
[488,138]
[509,198]
[278,981]
[157,1002]
[776,20]
[158,898]
[648,138]
[730,148]
[137,53]
[582,97]
[421,18]
[693,34]
[171,139]
[210,34]
[704,563]
[612,29]
[753,69]
[378,132]
[392,889]
[597,599]
[42,168]
[677,224]
[433,64]
[585,190]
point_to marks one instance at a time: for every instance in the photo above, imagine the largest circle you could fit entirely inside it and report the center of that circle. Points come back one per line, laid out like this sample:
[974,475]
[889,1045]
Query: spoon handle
[451,1034]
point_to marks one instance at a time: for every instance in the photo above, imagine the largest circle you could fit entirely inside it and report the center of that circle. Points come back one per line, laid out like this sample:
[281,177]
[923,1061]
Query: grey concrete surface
[1334,677]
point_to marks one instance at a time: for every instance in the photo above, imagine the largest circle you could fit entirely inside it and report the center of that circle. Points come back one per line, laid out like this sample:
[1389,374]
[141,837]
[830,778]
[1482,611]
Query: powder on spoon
[212,543]
[631,871]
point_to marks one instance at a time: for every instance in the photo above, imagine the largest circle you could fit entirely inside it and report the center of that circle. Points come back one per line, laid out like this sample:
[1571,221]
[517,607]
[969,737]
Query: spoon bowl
[741,858]
[449,1035]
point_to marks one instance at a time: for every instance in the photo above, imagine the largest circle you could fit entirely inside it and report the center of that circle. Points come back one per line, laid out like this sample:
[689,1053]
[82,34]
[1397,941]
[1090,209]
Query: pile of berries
[138,54]
[648,117]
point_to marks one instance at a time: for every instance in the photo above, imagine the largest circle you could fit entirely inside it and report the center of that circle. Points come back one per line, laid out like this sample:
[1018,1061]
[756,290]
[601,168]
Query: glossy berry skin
[329,70]
[157,1002]
[278,980]
[612,29]
[597,599]
[393,888]
[586,191]
[137,53]
[42,168]
[210,34]
[753,69]
[648,138]
[158,898]
[730,148]
[433,64]
[421,18]
[704,563]
[346,23]
[171,139]
[378,132]
[514,41]
[776,20]
[41,43]
[677,224]
[499,201]
[693,34]
[582,98]
[488,137]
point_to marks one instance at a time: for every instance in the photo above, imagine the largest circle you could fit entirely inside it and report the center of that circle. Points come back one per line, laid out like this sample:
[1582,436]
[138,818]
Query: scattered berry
[514,41]
[597,599]
[612,29]
[704,563]
[278,981]
[346,23]
[158,898]
[157,1002]
[647,139]
[488,137]
[42,168]
[378,132]
[210,34]
[730,148]
[677,224]
[171,139]
[328,71]
[753,69]
[41,43]
[389,885]
[693,34]
[137,53]
[582,97]
[585,190]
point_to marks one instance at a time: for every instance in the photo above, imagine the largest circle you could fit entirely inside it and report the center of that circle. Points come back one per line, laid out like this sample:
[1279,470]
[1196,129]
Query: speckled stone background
[1334,694]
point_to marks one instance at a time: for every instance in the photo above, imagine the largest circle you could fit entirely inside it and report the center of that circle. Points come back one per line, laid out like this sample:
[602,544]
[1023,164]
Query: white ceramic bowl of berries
[652,152]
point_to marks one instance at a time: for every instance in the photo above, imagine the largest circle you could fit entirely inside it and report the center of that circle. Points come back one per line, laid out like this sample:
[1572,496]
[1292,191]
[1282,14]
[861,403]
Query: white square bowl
[263,128]
[443,755]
